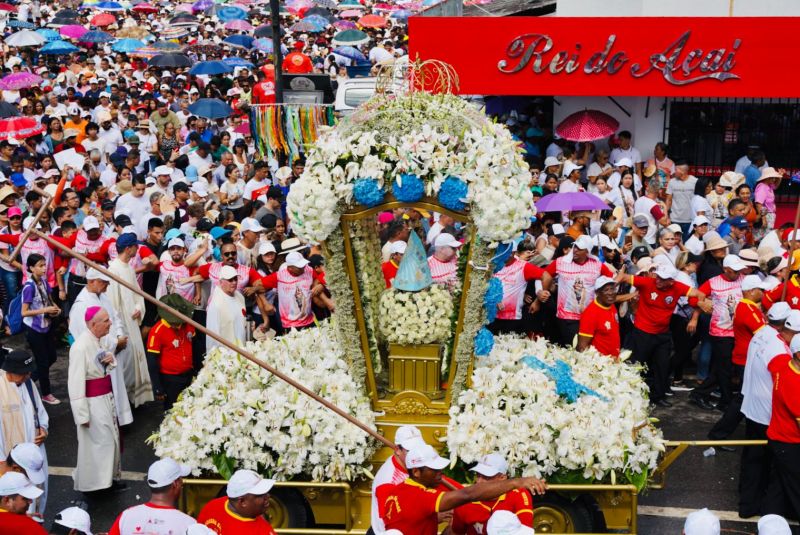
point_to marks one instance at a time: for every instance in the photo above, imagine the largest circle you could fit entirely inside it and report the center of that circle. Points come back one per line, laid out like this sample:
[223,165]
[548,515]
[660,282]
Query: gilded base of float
[416,367]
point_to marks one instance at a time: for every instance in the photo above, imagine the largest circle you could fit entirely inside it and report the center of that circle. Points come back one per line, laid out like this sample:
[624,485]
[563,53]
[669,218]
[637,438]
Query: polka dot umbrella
[587,125]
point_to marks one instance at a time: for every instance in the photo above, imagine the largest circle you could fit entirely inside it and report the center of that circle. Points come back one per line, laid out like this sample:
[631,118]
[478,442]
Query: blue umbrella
[95,36]
[227,13]
[319,20]
[14,23]
[108,6]
[49,34]
[58,47]
[127,45]
[210,108]
[350,52]
[239,41]
[167,46]
[264,45]
[400,14]
[210,67]
[237,62]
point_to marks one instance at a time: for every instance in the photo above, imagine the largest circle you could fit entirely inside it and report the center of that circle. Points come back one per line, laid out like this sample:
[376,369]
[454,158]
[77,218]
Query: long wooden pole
[246,354]
[27,233]
[791,252]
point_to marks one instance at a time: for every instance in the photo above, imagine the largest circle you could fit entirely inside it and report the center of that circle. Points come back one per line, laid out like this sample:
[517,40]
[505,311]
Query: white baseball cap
[163,170]
[550,161]
[266,247]
[675,228]
[570,166]
[75,518]
[584,242]
[408,437]
[164,472]
[793,321]
[606,242]
[244,482]
[29,221]
[250,225]
[490,465]
[228,273]
[700,220]
[398,247]
[733,262]
[602,281]
[446,240]
[752,282]
[296,259]
[558,229]
[92,273]
[176,242]
[200,188]
[702,522]
[425,456]
[774,524]
[506,523]
[627,162]
[200,529]
[90,222]
[15,483]
[29,457]
[664,271]
[779,311]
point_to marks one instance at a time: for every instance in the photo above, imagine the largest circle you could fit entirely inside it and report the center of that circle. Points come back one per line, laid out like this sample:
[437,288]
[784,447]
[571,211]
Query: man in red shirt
[296,62]
[748,319]
[792,294]
[16,495]
[783,494]
[241,512]
[413,505]
[396,251]
[650,340]
[599,325]
[170,344]
[264,90]
[471,518]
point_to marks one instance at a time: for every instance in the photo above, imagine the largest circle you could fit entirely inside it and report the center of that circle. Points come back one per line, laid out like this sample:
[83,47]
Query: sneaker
[679,388]
[50,399]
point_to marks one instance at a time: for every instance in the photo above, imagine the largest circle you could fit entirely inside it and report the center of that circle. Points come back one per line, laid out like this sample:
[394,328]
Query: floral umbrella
[350,14]
[19,80]
[49,34]
[345,25]
[14,23]
[145,52]
[175,33]
[25,38]
[108,6]
[299,7]
[73,31]
[20,127]
[264,45]
[134,32]
[238,25]
[349,4]
[330,4]
[350,38]
[372,21]
[103,19]
[95,36]
[319,20]
[587,125]
[304,26]
[145,8]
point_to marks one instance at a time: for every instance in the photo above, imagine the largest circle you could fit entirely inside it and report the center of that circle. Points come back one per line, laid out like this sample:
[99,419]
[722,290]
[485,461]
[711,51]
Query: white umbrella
[25,38]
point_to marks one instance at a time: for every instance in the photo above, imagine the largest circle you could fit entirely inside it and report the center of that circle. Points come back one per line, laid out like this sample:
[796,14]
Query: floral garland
[244,417]
[367,256]
[356,162]
[516,410]
[416,317]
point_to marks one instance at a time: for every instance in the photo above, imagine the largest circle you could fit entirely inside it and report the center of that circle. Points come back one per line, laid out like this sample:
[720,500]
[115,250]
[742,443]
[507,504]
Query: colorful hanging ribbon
[288,129]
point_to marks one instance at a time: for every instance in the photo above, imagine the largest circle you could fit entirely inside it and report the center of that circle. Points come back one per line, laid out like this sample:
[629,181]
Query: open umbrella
[134,32]
[227,13]
[170,60]
[239,41]
[330,4]
[73,31]
[238,25]
[5,6]
[350,52]
[265,30]
[210,68]
[19,80]
[95,36]
[57,22]
[243,128]
[573,201]
[350,14]
[175,32]
[127,45]
[14,23]
[350,38]
[145,8]
[349,4]
[9,110]
[400,14]
[68,13]
[56,48]
[145,52]
[299,7]
[49,34]
[202,5]
[237,62]
[210,108]
[587,125]
[166,46]
[372,21]
[264,45]
[20,127]
[184,19]
[103,19]
[321,12]
[319,20]
[305,26]
[383,6]
[108,6]
[345,25]
[25,38]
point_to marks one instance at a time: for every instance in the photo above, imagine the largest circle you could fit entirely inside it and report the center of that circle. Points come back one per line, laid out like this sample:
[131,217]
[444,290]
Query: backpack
[15,313]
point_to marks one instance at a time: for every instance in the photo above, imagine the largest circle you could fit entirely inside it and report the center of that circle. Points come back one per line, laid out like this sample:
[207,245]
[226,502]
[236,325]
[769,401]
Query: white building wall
[649,130]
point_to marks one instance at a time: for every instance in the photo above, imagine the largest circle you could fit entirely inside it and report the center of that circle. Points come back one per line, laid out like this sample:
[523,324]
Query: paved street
[694,481]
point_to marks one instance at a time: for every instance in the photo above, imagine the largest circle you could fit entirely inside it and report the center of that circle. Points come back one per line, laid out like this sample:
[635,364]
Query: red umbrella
[587,125]
[104,19]
[372,21]
[145,8]
[20,127]
[4,6]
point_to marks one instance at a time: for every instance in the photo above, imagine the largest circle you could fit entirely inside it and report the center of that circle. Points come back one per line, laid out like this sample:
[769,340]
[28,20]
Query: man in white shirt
[627,150]
[381,52]
[109,133]
[772,340]
[571,176]
[134,204]
[55,108]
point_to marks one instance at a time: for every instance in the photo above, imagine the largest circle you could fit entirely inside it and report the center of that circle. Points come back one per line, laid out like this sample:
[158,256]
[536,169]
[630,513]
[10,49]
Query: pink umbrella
[384,7]
[238,24]
[19,80]
[345,25]
[73,31]
[298,7]
[185,8]
[587,125]
[350,14]
[243,128]
[372,21]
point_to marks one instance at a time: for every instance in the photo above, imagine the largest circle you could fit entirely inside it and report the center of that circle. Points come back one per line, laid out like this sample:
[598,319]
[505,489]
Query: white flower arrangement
[239,412]
[515,410]
[432,137]
[412,318]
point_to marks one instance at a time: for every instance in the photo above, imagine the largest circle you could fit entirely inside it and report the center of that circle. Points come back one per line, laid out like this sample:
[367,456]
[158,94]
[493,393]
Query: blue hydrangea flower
[492,298]
[412,190]
[451,193]
[484,342]
[367,192]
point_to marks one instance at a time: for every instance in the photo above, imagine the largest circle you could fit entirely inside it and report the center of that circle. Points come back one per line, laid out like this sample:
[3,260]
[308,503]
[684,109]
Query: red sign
[664,56]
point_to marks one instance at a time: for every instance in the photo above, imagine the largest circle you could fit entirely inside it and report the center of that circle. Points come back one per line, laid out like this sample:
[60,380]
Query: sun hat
[244,482]
[179,303]
[93,274]
[551,161]
[714,243]
[666,272]
[769,172]
[626,162]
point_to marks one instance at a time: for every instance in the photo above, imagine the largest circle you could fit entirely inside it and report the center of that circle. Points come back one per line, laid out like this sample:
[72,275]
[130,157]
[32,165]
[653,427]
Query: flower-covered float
[415,353]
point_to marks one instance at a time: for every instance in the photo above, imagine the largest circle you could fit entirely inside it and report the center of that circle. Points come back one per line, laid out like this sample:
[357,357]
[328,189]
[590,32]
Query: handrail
[659,476]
